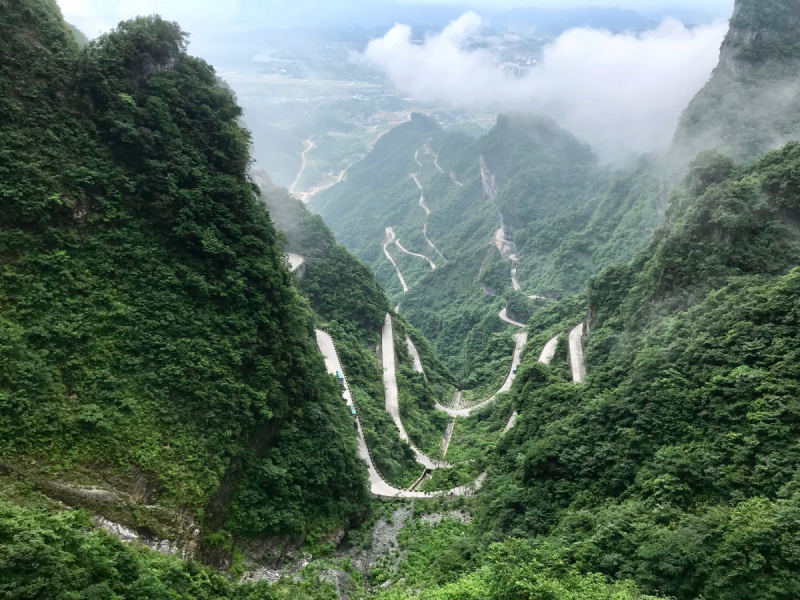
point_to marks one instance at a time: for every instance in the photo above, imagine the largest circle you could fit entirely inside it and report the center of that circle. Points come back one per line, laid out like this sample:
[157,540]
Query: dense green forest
[160,369]
[568,216]
[158,361]
[673,470]
[352,307]
[676,464]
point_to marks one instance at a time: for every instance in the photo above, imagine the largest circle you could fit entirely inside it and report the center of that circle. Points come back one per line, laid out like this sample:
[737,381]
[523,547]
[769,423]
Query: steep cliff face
[751,103]
[761,31]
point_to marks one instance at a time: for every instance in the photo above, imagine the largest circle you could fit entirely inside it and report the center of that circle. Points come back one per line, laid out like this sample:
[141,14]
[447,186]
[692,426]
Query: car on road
[515,370]
[353,410]
[339,375]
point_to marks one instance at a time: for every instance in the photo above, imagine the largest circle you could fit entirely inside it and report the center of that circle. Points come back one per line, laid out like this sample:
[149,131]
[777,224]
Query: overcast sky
[96,16]
[634,4]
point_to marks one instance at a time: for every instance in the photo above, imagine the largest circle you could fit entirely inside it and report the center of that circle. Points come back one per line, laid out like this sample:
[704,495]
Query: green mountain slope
[750,105]
[567,216]
[153,342]
[352,307]
[676,463]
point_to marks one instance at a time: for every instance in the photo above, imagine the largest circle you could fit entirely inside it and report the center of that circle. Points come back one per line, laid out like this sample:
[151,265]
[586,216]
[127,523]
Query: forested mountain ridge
[675,465]
[567,215]
[352,308]
[159,364]
[750,105]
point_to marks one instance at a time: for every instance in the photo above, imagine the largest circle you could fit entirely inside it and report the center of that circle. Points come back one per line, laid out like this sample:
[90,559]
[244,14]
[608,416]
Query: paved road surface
[391,397]
[378,486]
[435,156]
[295,261]
[448,431]
[309,145]
[521,339]
[422,256]
[456,181]
[430,243]
[332,364]
[390,238]
[424,207]
[549,351]
[504,317]
[576,354]
[448,434]
[415,177]
[514,281]
[511,422]
[412,350]
[306,197]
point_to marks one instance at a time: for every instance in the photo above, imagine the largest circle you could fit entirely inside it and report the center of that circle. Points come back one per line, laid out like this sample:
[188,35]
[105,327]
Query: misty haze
[399,299]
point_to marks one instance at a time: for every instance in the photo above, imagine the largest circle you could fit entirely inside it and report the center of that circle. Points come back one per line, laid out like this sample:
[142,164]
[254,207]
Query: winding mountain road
[332,364]
[425,229]
[504,317]
[422,256]
[390,237]
[308,146]
[306,197]
[456,181]
[378,486]
[520,339]
[412,350]
[576,354]
[415,177]
[511,422]
[549,351]
[448,431]
[435,156]
[427,211]
[391,395]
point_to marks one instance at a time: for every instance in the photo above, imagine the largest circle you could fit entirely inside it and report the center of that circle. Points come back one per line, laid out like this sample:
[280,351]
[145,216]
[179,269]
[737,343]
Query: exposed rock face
[185,550]
[345,588]
[734,41]
[384,540]
[761,32]
[751,104]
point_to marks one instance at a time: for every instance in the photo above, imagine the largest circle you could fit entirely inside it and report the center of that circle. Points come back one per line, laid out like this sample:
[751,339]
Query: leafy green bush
[63,557]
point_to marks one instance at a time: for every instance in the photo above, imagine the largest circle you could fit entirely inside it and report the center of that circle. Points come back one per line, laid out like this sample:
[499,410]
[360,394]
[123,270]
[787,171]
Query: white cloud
[622,93]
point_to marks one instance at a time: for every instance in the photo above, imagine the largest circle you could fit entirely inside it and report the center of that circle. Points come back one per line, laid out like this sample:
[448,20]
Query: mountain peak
[761,30]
